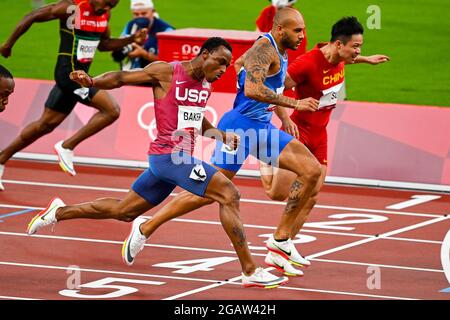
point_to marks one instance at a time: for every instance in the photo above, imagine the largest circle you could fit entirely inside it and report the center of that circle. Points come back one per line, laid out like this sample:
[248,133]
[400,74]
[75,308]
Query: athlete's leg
[127,209]
[182,204]
[222,190]
[296,157]
[276,182]
[304,212]
[48,121]
[108,112]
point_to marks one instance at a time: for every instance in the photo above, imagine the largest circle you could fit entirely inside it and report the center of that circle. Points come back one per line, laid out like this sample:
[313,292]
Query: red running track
[359,248]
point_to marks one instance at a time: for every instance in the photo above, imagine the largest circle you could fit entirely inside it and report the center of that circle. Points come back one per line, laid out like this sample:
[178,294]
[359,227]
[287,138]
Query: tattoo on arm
[257,64]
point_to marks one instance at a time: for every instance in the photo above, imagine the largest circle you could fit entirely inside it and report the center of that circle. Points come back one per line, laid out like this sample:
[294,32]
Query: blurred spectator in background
[265,21]
[144,16]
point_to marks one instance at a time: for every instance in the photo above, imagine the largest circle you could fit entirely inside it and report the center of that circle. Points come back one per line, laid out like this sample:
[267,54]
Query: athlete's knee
[231,196]
[312,172]
[276,195]
[113,112]
[45,127]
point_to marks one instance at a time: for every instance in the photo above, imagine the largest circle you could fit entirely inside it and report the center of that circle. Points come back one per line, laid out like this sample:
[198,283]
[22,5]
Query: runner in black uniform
[83,30]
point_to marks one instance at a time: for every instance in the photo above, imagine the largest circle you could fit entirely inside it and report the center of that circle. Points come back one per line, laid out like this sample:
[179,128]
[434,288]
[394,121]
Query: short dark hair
[345,28]
[214,43]
[4,73]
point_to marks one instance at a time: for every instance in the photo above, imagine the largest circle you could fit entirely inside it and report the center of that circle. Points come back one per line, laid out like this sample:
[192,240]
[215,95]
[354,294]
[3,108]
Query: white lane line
[259,227]
[388,266]
[17,298]
[340,248]
[216,283]
[270,202]
[230,252]
[414,201]
[43,266]
[352,294]
[381,236]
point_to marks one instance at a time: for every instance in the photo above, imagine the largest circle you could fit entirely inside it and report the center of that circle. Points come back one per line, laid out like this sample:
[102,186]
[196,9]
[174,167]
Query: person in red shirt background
[265,21]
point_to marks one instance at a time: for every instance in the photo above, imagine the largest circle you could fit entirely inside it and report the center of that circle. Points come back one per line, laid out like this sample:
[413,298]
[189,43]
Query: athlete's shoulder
[162,66]
[263,44]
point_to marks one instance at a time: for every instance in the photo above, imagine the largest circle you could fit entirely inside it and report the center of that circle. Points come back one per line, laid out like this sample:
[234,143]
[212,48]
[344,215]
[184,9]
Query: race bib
[86,50]
[330,96]
[190,117]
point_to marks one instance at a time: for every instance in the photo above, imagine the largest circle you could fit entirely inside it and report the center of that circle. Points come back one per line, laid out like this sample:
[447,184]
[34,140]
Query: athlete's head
[347,37]
[288,27]
[103,6]
[215,55]
[6,87]
[142,9]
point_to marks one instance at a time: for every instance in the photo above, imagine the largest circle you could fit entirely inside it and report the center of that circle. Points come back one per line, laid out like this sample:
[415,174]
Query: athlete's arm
[257,63]
[286,122]
[374,59]
[49,12]
[109,44]
[154,73]
[229,138]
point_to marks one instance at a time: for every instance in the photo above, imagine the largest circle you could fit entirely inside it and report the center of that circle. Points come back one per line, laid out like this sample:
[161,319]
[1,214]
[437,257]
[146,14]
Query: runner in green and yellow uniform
[83,30]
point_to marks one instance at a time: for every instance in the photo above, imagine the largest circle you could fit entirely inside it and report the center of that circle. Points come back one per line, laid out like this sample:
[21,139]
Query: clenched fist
[140,36]
[5,50]
[82,78]
[232,140]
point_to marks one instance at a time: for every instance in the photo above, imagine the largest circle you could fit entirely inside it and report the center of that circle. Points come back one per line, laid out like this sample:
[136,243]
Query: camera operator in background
[144,16]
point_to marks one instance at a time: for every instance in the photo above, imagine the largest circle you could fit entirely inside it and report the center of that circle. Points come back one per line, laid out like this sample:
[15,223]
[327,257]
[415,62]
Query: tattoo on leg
[239,232]
[294,197]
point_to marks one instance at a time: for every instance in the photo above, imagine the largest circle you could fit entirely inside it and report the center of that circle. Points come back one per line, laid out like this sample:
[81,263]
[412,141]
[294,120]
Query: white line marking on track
[215,284]
[206,250]
[17,298]
[82,187]
[340,248]
[414,201]
[260,227]
[381,236]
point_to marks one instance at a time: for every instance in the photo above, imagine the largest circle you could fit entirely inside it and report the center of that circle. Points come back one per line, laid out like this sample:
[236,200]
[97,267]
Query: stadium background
[412,33]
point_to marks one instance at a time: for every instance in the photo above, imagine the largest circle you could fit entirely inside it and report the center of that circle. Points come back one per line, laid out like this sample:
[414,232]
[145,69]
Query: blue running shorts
[166,171]
[262,140]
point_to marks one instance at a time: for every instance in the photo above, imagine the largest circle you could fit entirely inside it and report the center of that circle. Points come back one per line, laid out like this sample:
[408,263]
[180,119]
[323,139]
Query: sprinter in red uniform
[83,28]
[181,91]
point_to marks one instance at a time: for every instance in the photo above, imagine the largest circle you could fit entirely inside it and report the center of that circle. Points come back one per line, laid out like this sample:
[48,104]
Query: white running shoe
[288,251]
[65,157]
[281,264]
[45,217]
[263,279]
[2,169]
[134,243]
